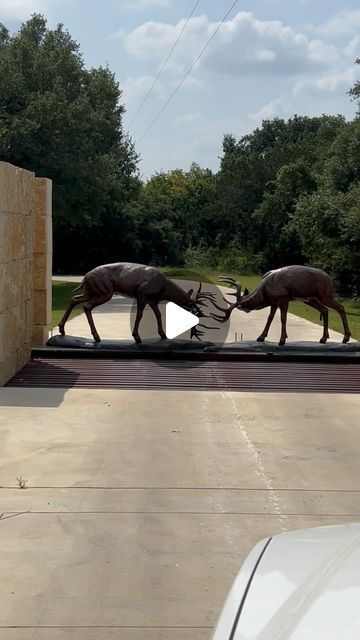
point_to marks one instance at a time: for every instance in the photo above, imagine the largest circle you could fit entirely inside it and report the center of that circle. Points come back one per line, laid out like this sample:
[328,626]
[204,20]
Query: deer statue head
[234,305]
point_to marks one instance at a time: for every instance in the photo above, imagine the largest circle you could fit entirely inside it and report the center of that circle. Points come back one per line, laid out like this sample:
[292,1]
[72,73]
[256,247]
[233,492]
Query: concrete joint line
[4,515]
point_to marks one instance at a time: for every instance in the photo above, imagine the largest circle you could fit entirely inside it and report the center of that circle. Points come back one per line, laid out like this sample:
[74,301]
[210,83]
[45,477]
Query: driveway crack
[4,516]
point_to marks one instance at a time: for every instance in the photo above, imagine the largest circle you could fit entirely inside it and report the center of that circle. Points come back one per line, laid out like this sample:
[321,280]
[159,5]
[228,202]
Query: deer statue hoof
[281,343]
[346,339]
[97,338]
[137,339]
[261,339]
[323,340]
[61,329]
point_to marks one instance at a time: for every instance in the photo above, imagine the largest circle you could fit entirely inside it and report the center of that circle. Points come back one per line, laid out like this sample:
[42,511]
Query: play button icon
[187,330]
[178,320]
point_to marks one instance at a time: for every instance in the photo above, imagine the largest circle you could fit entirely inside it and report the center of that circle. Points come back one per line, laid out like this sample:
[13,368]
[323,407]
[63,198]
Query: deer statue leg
[312,302]
[141,304]
[157,313]
[91,304]
[263,335]
[82,297]
[341,311]
[284,305]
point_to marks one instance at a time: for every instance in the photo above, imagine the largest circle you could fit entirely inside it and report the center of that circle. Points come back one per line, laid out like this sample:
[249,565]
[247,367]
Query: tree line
[288,192]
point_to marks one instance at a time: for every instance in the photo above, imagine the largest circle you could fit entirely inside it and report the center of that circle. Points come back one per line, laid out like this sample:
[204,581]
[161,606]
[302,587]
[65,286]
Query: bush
[240,262]
[195,258]
[227,260]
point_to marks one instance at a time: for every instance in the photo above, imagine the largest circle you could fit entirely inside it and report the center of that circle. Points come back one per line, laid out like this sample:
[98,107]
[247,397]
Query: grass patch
[300,309]
[352,309]
[210,275]
[186,274]
[62,293]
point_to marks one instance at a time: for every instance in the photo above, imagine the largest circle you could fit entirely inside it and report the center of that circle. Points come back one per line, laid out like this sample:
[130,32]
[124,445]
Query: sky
[269,58]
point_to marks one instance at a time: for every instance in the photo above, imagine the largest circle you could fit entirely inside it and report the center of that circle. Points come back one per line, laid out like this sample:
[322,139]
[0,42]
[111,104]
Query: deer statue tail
[80,285]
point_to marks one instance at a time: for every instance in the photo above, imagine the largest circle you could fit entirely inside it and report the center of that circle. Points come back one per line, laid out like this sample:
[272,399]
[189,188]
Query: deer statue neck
[174,293]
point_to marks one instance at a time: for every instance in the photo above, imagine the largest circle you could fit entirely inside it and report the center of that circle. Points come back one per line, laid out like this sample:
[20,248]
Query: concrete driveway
[140,506]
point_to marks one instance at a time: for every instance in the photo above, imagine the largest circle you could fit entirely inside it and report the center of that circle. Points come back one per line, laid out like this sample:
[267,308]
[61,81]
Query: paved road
[141,506]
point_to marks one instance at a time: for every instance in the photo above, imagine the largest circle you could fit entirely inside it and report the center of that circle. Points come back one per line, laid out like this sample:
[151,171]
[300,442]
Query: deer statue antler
[205,295]
[227,312]
[199,299]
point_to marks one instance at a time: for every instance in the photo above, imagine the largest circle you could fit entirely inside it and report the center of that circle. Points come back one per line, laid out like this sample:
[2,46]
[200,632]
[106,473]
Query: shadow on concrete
[39,384]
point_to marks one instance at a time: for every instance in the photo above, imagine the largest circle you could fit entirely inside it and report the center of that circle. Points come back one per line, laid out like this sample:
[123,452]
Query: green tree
[241,184]
[65,122]
[177,210]
[344,158]
[327,222]
[355,90]
[250,178]
[277,239]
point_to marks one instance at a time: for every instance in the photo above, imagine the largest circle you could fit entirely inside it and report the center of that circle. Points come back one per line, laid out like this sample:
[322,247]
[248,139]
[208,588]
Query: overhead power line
[164,63]
[188,72]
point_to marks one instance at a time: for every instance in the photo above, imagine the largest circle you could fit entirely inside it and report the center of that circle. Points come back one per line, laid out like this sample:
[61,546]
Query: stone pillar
[42,260]
[25,266]
[16,268]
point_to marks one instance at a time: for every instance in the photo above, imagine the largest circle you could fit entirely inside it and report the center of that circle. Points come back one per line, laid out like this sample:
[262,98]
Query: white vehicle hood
[306,586]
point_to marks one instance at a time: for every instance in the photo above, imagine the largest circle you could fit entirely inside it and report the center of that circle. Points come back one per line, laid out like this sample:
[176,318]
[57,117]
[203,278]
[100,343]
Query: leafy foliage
[288,192]
[65,122]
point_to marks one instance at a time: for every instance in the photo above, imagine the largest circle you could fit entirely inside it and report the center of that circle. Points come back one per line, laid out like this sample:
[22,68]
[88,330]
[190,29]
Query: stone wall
[25,265]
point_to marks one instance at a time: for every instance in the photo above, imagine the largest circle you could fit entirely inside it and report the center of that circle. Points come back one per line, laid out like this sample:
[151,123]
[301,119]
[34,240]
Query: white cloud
[280,107]
[352,48]
[146,4]
[322,53]
[154,39]
[329,82]
[22,9]
[243,46]
[247,45]
[344,23]
[253,70]
[135,89]
[265,55]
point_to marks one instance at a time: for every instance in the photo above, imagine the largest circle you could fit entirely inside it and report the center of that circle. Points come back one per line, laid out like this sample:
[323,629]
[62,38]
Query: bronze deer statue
[146,284]
[312,286]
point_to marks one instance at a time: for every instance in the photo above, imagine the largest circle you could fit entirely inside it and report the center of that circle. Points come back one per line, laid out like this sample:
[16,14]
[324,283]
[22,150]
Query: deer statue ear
[246,292]
[190,292]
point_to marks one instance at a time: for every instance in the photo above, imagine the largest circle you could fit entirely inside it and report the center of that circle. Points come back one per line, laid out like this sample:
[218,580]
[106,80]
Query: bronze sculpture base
[299,347]
[191,350]
[76,342]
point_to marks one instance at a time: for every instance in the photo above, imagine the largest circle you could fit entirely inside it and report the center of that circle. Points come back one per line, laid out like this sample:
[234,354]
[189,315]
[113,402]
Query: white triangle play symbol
[178,320]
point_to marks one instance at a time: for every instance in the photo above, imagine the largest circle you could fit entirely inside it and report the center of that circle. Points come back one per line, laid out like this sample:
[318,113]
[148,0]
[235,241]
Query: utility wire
[187,73]
[164,63]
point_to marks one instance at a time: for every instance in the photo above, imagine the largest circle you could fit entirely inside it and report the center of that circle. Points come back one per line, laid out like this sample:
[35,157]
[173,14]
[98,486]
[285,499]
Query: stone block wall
[25,265]
[42,260]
